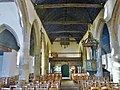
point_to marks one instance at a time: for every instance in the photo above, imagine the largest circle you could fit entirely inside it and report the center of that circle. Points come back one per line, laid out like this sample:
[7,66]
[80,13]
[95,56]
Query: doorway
[65,70]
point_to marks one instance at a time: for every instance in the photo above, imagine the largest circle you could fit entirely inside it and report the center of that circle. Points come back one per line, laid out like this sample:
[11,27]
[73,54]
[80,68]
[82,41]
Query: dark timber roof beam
[65,22]
[66,31]
[65,37]
[65,41]
[68,6]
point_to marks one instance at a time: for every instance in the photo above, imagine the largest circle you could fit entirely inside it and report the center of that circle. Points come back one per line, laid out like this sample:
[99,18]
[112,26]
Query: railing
[65,54]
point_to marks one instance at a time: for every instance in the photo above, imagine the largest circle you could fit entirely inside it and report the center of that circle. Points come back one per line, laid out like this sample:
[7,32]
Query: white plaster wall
[110,60]
[109,7]
[13,63]
[9,15]
[9,64]
[6,65]
[73,47]
[1,61]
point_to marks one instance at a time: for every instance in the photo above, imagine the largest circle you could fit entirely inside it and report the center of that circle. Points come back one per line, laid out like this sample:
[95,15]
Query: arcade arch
[9,46]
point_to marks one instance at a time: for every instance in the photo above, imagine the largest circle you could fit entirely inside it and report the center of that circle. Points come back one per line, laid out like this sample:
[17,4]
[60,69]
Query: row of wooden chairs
[97,83]
[46,82]
[52,76]
[38,86]
[78,76]
[86,82]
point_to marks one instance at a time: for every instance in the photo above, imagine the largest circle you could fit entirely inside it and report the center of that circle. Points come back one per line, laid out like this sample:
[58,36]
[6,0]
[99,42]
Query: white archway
[98,35]
[37,46]
[9,60]
[4,27]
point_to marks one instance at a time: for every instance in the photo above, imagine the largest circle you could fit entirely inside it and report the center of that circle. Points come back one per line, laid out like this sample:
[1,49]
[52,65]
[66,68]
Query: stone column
[46,59]
[23,66]
[24,61]
[84,59]
[99,62]
[37,64]
[43,56]
[115,61]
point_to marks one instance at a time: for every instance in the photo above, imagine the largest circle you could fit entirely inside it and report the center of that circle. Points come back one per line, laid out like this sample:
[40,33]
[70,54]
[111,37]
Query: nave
[42,42]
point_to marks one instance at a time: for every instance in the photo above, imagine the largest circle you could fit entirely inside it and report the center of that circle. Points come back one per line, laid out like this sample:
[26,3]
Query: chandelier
[64,42]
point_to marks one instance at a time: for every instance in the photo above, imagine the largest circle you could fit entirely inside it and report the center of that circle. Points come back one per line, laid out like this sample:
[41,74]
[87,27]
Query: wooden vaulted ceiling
[67,18]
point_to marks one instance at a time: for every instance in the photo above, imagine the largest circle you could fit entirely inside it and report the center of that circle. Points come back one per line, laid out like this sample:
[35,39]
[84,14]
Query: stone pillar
[46,65]
[46,59]
[84,59]
[43,56]
[37,64]
[24,61]
[99,62]
[23,66]
[115,61]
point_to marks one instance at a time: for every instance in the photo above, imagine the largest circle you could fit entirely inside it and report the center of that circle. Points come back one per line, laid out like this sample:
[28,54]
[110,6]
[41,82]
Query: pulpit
[90,45]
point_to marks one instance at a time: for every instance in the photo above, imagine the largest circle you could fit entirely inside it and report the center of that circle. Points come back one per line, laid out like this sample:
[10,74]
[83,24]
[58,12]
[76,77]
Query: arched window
[105,41]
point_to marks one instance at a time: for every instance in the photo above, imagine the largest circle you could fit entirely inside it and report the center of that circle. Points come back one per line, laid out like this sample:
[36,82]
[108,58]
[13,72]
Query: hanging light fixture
[64,41]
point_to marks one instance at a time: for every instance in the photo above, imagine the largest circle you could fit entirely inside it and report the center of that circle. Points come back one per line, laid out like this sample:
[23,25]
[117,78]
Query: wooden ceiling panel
[64,18]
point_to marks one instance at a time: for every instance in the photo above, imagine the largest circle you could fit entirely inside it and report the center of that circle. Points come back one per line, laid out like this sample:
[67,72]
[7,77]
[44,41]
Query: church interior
[59,44]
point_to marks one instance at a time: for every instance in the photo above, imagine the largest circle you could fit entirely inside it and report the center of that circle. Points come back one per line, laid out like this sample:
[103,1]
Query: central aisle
[68,85]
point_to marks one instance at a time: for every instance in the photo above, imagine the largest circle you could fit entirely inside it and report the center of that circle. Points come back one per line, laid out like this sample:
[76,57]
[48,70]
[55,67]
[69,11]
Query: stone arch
[22,9]
[6,27]
[105,40]
[114,28]
[115,21]
[99,29]
[35,32]
[37,55]
[98,36]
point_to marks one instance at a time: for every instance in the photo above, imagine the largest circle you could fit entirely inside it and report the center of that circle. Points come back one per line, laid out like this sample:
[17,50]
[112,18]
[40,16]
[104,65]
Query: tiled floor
[68,85]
